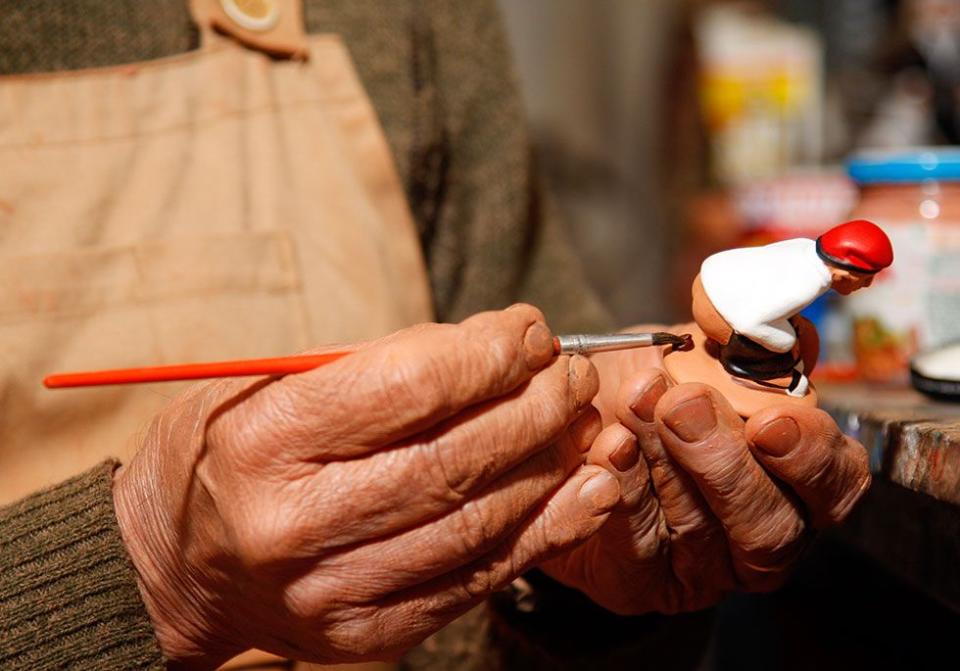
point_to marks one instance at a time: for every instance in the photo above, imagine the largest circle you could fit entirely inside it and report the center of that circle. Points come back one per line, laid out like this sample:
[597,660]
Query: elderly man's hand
[710,503]
[348,512]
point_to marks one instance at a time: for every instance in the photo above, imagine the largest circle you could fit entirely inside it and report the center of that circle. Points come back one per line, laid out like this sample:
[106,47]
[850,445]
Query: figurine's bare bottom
[702,363]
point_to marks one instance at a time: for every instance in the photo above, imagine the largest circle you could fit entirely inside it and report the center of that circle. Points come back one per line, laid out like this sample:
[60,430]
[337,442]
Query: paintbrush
[287,365]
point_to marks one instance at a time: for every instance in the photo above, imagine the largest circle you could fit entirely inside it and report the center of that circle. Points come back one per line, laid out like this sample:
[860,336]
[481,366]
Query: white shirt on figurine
[757,289]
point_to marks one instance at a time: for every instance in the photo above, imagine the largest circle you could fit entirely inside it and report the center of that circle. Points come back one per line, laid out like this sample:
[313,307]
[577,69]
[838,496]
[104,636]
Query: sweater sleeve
[68,591]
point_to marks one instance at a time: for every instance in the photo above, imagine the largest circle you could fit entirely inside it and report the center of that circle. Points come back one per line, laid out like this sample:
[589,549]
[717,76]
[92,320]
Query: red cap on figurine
[860,246]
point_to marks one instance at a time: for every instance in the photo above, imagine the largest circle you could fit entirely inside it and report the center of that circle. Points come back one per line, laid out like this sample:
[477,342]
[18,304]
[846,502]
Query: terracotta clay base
[699,365]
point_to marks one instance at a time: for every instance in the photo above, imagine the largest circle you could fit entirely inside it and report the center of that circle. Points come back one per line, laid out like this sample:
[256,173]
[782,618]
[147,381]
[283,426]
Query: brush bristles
[678,342]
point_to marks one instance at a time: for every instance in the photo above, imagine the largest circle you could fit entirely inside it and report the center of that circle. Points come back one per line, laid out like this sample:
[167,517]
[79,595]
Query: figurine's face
[846,282]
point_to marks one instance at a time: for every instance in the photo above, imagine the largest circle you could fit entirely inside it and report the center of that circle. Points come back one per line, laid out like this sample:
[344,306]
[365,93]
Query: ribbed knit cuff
[68,591]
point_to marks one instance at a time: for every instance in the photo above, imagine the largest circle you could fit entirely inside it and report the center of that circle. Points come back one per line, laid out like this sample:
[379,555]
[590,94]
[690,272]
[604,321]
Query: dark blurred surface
[839,612]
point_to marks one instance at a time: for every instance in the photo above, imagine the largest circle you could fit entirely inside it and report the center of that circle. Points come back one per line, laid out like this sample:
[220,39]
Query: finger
[683,506]
[636,400]
[704,435]
[440,370]
[571,515]
[470,531]
[634,540]
[615,367]
[448,465]
[616,450]
[398,386]
[805,448]
[699,555]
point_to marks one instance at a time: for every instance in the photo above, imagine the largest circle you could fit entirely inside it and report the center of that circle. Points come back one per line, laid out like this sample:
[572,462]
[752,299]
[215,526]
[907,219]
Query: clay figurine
[749,340]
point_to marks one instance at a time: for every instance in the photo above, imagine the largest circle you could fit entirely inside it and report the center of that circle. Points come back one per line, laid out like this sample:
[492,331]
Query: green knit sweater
[68,592]
[439,76]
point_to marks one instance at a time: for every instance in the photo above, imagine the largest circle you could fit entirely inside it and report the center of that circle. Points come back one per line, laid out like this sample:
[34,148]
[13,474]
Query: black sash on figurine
[741,357]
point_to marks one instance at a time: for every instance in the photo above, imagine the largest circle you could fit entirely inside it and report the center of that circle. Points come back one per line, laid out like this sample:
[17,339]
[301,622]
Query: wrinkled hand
[710,503]
[348,512]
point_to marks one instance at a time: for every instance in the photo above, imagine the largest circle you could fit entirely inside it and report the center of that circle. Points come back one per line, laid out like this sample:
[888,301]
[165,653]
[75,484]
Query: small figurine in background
[751,342]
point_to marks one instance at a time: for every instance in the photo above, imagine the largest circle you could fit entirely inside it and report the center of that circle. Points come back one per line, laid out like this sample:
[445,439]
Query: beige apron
[215,205]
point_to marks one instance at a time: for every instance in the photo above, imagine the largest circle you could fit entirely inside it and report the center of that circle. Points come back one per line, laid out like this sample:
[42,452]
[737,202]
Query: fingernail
[626,455]
[646,402]
[692,420]
[537,345]
[583,379]
[600,493]
[778,437]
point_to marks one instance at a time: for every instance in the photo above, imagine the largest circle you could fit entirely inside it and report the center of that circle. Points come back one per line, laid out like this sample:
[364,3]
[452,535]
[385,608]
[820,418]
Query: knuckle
[776,546]
[644,480]
[475,530]
[360,633]
[452,359]
[286,415]
[552,402]
[849,499]
[500,333]
[819,473]
[556,531]
[837,480]
[423,378]
[723,473]
[529,312]
[478,581]
[454,471]
[535,312]
[695,530]
[649,543]
[507,334]
[502,350]
[264,541]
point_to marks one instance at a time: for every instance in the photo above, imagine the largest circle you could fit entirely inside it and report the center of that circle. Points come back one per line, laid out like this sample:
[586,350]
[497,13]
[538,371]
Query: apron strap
[274,27]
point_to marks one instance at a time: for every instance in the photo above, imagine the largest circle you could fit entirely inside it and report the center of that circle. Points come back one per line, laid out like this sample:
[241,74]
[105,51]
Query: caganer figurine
[749,340]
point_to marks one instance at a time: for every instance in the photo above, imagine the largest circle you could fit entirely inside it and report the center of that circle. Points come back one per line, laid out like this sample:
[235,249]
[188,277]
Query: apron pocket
[169,301]
[230,295]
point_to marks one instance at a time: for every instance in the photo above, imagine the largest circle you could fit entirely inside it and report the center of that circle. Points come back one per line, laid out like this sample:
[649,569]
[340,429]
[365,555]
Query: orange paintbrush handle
[284,365]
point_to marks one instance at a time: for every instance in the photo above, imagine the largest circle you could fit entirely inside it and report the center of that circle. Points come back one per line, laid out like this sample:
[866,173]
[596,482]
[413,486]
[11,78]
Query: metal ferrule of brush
[588,344]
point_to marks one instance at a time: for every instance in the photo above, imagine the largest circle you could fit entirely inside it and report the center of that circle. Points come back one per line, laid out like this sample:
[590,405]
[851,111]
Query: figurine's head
[855,252]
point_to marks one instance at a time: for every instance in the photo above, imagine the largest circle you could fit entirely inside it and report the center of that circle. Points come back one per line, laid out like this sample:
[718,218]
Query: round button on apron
[257,15]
